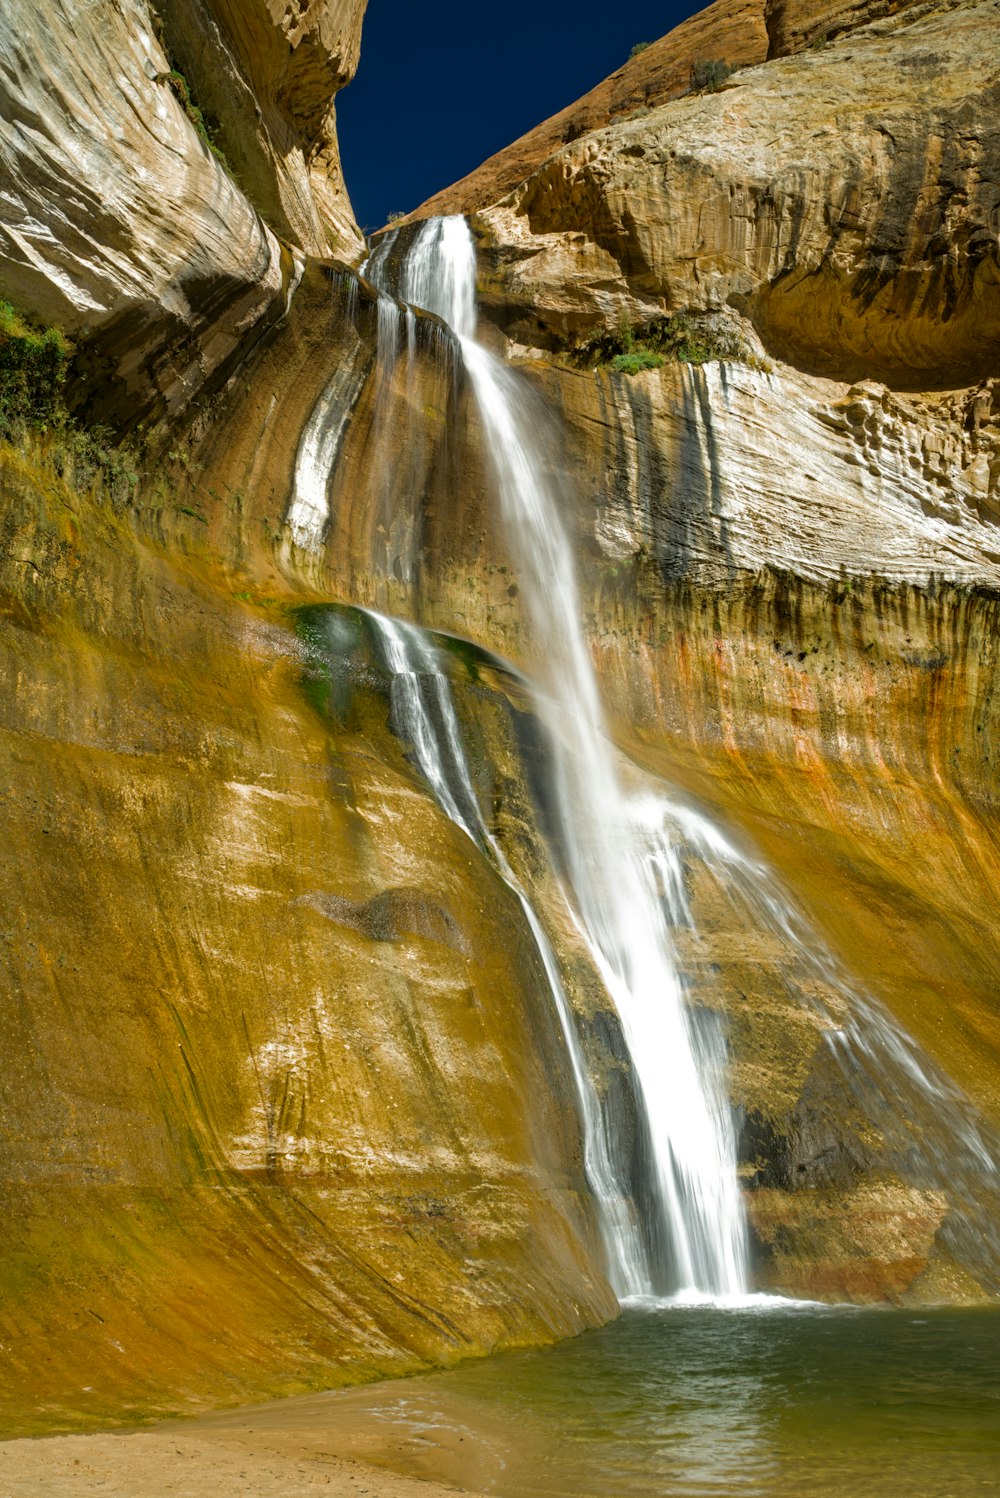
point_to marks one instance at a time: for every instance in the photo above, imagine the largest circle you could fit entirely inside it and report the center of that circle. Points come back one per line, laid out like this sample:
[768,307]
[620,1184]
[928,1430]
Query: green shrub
[182,89]
[95,453]
[33,365]
[641,359]
[677,339]
[710,75]
[689,344]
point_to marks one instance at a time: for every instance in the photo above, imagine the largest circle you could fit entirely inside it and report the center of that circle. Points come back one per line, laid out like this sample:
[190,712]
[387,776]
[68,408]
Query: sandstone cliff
[254,913]
[164,253]
[792,526]
[858,240]
[736,32]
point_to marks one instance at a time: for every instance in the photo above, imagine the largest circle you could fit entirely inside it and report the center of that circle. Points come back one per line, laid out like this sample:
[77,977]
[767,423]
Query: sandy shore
[148,1464]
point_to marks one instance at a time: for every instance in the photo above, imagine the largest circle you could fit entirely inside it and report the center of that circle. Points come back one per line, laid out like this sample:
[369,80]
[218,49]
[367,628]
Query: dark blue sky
[443,85]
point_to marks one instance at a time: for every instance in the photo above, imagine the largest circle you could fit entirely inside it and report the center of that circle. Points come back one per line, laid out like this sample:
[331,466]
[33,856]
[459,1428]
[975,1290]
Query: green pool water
[679,1401]
[761,1401]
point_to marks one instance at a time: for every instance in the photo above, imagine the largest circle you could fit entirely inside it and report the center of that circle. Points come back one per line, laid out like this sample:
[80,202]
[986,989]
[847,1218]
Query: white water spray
[319,447]
[932,1134]
[623,909]
[423,712]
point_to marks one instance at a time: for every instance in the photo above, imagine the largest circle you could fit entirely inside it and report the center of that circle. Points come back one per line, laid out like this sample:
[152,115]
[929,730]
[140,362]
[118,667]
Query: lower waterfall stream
[424,713]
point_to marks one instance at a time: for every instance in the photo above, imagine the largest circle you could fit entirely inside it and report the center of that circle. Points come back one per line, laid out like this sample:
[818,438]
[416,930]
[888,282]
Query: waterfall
[423,712]
[695,1240]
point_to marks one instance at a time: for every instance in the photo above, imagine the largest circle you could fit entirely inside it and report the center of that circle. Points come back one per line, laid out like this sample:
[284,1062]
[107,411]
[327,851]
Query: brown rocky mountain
[737,34]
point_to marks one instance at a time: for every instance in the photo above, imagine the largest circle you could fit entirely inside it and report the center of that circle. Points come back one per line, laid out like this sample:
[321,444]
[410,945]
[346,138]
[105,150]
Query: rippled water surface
[696,1401]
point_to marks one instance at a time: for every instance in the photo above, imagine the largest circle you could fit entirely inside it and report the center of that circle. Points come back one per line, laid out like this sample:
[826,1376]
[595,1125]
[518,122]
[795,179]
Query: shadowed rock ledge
[126,222]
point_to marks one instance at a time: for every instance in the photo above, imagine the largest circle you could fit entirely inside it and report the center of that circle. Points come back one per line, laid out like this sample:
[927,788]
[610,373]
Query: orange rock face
[738,32]
[734,30]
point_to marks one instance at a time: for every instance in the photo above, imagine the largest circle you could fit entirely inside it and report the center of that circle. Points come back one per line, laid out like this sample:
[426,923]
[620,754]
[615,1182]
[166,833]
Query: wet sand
[185,1462]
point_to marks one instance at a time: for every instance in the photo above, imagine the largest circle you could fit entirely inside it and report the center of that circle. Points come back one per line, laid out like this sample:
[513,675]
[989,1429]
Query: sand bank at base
[152,1464]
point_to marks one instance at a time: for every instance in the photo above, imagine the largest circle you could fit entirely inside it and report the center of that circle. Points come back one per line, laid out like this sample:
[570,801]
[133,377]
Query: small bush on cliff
[638,360]
[685,341]
[709,75]
[33,365]
[95,454]
[678,339]
[182,89]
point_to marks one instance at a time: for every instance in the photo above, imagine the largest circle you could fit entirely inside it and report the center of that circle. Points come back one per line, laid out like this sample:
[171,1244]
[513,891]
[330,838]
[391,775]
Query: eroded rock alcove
[285,1105]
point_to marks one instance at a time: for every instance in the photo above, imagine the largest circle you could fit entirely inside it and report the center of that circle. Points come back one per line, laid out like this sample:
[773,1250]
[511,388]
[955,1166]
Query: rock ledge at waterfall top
[843,201]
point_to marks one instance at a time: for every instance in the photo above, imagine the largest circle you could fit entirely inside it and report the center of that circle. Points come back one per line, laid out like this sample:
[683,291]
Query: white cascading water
[423,712]
[616,894]
[935,1138]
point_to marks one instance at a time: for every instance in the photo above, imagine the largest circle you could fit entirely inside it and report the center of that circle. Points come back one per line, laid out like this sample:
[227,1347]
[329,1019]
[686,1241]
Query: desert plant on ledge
[709,75]
[180,86]
[34,365]
[680,338]
[637,361]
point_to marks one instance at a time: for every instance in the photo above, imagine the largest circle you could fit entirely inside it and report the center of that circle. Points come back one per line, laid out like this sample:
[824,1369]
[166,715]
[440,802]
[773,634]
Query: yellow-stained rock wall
[281,1103]
[286,1104]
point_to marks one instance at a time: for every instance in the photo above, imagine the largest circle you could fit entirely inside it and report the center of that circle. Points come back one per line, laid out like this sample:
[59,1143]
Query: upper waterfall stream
[694,1232]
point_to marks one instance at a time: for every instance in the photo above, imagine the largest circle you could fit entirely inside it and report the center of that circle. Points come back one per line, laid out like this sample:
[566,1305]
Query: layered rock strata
[255,914]
[162,258]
